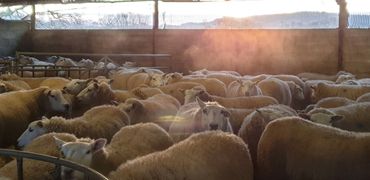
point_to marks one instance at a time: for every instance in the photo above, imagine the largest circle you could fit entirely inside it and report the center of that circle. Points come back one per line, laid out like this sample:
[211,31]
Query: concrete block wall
[11,33]
[248,51]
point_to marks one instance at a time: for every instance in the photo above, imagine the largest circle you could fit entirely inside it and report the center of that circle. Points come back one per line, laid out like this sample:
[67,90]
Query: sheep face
[2,88]
[86,63]
[65,62]
[191,94]
[80,152]
[214,116]
[248,88]
[75,86]
[344,77]
[323,117]
[156,80]
[89,93]
[171,77]
[34,130]
[57,101]
[296,90]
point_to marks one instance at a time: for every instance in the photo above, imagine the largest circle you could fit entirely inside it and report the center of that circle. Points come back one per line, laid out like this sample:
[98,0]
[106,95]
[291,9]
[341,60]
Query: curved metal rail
[20,155]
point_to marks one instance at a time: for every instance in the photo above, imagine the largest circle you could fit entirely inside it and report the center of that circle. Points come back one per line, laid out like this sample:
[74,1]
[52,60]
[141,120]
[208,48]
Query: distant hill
[300,20]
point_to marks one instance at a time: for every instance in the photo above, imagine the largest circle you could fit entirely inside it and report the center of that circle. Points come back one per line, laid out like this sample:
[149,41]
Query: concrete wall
[246,51]
[11,32]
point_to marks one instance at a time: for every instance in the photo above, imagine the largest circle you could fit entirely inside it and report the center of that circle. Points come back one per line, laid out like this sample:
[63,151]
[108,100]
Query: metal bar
[20,168]
[58,172]
[29,155]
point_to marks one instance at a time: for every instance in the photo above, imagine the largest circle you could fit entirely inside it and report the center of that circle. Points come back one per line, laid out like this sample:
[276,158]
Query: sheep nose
[18,147]
[213,126]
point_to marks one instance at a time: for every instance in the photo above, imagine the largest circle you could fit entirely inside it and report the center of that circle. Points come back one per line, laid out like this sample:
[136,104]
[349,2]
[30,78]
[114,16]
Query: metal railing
[20,155]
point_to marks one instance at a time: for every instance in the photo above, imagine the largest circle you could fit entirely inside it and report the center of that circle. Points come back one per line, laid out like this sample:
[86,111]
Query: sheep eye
[52,96]
[62,154]
[205,111]
[30,130]
[88,152]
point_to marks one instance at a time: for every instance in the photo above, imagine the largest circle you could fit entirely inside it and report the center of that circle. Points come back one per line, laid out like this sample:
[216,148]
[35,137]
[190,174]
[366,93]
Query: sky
[206,10]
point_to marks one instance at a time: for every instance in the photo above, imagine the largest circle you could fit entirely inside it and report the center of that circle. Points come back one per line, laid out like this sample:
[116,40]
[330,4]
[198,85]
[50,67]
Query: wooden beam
[343,25]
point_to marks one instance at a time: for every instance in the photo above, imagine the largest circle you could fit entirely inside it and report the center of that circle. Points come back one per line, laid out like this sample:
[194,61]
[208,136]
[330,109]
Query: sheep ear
[304,116]
[110,81]
[59,142]
[201,103]
[113,102]
[95,80]
[335,118]
[40,124]
[44,117]
[47,92]
[240,81]
[96,86]
[136,105]
[182,91]
[261,113]
[98,145]
[226,113]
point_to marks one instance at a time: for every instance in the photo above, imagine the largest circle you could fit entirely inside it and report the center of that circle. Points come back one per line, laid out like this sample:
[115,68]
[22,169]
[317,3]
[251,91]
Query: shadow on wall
[259,51]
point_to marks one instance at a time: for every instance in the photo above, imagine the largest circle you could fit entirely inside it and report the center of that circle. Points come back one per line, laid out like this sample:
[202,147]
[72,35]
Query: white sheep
[212,85]
[247,102]
[55,82]
[207,72]
[88,63]
[224,77]
[353,117]
[19,108]
[98,122]
[323,90]
[13,85]
[200,116]
[330,102]
[317,76]
[127,144]
[176,90]
[296,149]
[242,88]
[364,98]
[33,169]
[159,109]
[255,123]
[209,155]
[277,89]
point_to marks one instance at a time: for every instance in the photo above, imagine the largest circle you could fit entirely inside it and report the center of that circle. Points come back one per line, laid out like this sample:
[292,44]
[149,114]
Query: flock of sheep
[141,123]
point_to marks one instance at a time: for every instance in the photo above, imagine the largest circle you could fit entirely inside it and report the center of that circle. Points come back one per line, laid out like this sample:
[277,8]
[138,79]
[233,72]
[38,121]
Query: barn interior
[322,46]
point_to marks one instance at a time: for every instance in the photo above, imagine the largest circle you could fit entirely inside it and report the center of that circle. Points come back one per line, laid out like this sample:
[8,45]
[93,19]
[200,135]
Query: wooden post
[343,25]
[155,28]
[33,17]
[155,15]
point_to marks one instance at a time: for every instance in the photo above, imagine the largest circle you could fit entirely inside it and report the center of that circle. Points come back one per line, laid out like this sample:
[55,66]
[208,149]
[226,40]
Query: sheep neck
[102,163]
[69,126]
